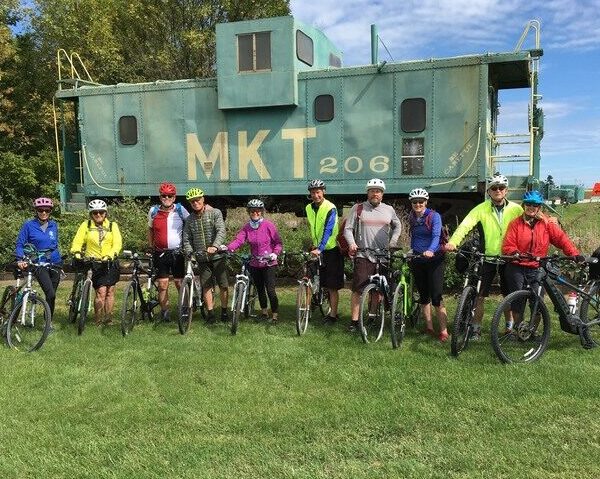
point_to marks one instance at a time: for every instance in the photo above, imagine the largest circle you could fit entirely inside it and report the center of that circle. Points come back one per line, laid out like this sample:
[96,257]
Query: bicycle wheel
[414,317]
[528,338]
[397,318]
[589,312]
[238,307]
[131,308]
[7,304]
[303,298]
[324,305]
[29,324]
[84,306]
[250,307]
[74,300]
[185,311]
[371,318]
[463,319]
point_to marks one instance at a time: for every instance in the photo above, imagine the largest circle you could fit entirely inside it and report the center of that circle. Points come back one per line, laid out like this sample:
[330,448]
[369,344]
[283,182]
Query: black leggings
[429,279]
[265,277]
[48,279]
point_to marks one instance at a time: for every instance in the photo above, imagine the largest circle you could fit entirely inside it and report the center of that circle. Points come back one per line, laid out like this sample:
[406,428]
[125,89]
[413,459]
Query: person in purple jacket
[265,242]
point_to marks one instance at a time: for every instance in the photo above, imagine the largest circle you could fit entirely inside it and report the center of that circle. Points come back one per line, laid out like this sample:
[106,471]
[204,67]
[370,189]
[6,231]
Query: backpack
[341,241]
[178,208]
[444,235]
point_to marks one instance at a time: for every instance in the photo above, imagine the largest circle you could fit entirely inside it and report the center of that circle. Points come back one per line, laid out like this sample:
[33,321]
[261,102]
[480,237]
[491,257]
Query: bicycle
[30,321]
[244,292]
[190,296]
[462,327]
[80,300]
[528,338]
[139,300]
[309,294]
[9,296]
[406,310]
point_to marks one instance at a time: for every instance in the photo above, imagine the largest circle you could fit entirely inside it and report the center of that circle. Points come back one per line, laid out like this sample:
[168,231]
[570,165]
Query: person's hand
[223,248]
[428,254]
[315,252]
[352,249]
[21,265]
[578,258]
[449,247]
[272,257]
[77,256]
[211,249]
[105,259]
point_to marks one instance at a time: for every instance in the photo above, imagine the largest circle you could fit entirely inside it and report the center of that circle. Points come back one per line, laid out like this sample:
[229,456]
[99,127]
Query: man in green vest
[323,223]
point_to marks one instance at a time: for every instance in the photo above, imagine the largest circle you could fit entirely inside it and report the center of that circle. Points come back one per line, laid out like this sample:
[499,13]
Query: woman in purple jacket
[265,245]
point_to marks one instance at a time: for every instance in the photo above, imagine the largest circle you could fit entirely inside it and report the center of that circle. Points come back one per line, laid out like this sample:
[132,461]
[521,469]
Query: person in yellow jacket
[100,239]
[494,216]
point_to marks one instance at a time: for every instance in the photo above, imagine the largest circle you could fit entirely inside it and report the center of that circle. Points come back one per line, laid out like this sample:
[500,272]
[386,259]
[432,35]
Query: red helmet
[43,202]
[167,189]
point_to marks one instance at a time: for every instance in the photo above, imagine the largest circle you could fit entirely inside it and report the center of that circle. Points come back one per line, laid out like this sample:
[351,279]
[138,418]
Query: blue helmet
[533,197]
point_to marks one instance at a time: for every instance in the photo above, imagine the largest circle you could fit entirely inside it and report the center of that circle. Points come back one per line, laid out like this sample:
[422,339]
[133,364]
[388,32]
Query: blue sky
[569,69]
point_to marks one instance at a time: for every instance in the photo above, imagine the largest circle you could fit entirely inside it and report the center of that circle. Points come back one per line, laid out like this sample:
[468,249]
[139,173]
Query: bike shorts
[488,273]
[332,269]
[167,263]
[105,274]
[214,272]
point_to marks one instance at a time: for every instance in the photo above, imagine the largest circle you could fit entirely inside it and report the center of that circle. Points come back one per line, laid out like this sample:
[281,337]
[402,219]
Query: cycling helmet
[375,183]
[167,189]
[418,193]
[194,193]
[43,203]
[533,197]
[255,203]
[313,184]
[497,180]
[97,205]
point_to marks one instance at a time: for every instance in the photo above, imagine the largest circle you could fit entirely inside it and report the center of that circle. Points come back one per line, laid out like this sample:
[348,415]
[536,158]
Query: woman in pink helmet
[42,233]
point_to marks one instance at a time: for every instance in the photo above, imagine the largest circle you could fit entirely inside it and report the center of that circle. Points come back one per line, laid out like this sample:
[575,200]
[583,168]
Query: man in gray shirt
[373,225]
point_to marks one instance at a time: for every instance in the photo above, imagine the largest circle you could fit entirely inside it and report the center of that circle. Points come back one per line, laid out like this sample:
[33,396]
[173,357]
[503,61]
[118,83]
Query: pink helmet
[43,203]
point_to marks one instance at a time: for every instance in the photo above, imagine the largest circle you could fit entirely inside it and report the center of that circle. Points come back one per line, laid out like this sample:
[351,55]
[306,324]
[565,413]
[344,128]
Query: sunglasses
[531,205]
[98,213]
[496,188]
[43,210]
[255,211]
[167,196]
[417,202]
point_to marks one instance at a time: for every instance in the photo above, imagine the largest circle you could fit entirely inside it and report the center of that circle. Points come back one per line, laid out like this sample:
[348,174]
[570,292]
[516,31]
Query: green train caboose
[283,110]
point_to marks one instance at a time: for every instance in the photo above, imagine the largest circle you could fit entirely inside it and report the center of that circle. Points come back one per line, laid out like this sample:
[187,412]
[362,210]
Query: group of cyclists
[175,233]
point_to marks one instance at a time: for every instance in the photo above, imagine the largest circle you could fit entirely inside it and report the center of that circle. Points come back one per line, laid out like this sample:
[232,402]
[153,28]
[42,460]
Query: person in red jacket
[531,234]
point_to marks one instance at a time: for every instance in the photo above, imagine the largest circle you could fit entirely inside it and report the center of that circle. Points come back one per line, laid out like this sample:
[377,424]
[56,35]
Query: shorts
[168,263]
[488,273]
[105,274]
[332,269]
[213,272]
[363,268]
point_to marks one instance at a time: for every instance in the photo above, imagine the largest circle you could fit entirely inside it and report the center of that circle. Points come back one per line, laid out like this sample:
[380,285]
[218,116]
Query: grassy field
[269,404]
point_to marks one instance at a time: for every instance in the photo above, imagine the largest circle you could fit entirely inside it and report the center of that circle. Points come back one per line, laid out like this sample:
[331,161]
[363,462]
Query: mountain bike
[310,295]
[244,292]
[9,298]
[406,310]
[80,300]
[139,301]
[190,296]
[29,322]
[528,338]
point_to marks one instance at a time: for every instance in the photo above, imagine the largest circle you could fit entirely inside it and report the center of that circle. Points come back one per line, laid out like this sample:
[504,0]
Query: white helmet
[97,205]
[418,193]
[375,183]
[497,180]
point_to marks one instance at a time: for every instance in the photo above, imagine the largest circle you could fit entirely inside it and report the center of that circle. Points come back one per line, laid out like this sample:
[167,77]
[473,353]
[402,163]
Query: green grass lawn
[269,404]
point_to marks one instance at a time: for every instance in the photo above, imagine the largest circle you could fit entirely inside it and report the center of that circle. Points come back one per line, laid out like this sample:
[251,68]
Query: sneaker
[475,335]
[224,316]
[274,321]
[210,317]
[262,317]
[330,319]
[165,315]
[353,327]
[429,332]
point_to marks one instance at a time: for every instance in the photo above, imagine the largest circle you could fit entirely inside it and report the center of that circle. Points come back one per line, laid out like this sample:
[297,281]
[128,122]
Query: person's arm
[187,237]
[349,228]
[149,233]
[239,240]
[276,241]
[560,239]
[464,227]
[436,231]
[330,220]
[22,239]
[510,244]
[396,228]
[219,228]
[79,239]
[117,240]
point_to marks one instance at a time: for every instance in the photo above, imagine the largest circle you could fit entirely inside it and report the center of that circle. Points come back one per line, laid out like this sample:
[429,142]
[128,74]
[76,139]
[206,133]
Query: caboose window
[412,115]
[128,130]
[254,52]
[324,108]
[304,48]
[413,151]
[334,61]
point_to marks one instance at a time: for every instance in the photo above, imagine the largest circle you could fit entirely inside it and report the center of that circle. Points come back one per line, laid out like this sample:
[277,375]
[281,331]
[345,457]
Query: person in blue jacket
[428,269]
[42,233]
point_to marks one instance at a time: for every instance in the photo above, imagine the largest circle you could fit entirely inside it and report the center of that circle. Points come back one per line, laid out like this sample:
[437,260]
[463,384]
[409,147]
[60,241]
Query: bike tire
[84,306]
[303,307]
[185,311]
[463,319]
[525,342]
[74,300]
[238,307]
[324,305]
[30,336]
[589,312]
[250,307]
[371,323]
[397,317]
[130,310]
[7,304]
